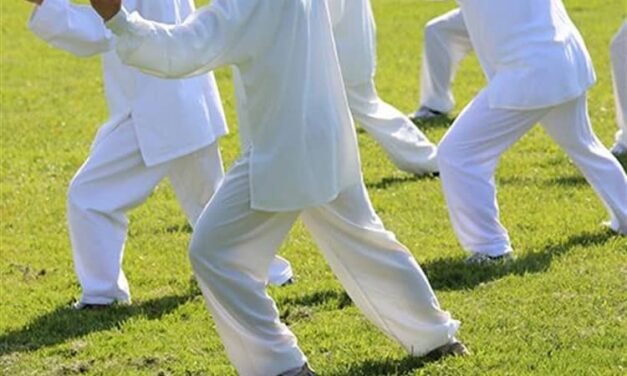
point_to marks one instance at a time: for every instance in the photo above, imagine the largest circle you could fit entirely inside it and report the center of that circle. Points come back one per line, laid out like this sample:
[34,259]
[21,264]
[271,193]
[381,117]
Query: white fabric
[303,145]
[172,117]
[406,146]
[233,244]
[355,36]
[469,153]
[115,179]
[530,50]
[446,43]
[619,74]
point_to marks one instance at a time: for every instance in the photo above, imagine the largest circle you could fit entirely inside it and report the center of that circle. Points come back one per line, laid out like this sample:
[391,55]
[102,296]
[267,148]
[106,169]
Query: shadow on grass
[183,227]
[454,274]
[396,367]
[387,182]
[65,323]
[436,122]
[338,299]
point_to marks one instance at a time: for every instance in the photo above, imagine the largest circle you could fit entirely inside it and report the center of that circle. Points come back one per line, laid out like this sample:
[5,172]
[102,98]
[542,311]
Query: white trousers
[469,153]
[113,180]
[233,245]
[406,146]
[619,73]
[446,43]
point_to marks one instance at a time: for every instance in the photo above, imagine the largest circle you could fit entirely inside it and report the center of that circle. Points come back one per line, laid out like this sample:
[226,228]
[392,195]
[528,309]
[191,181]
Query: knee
[201,250]
[76,194]
[447,154]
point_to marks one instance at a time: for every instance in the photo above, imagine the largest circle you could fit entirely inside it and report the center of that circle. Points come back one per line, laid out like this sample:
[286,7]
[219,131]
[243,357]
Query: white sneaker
[425,113]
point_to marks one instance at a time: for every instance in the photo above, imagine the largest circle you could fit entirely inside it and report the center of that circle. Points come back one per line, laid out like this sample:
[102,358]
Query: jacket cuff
[119,23]
[46,19]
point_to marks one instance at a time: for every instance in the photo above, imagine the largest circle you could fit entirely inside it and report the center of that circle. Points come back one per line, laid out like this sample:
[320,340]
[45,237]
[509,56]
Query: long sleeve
[226,32]
[74,28]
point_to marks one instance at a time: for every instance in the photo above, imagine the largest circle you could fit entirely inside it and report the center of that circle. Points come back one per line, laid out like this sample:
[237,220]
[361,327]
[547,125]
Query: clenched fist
[107,8]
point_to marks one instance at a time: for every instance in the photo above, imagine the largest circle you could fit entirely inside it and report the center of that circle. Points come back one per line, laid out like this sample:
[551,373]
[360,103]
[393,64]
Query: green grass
[559,309]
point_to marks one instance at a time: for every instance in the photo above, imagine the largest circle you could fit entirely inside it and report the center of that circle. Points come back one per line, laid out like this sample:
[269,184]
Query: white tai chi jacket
[355,36]
[530,50]
[302,144]
[172,118]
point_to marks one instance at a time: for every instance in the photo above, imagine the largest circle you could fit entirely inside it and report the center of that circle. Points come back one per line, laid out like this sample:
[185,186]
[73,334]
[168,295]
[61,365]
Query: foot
[302,371]
[453,348]
[483,259]
[81,306]
[425,113]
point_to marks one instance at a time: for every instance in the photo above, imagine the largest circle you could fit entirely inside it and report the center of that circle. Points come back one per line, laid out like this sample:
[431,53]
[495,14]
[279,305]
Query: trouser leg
[619,75]
[379,273]
[195,178]
[446,44]
[113,180]
[468,156]
[231,250]
[408,148]
[569,125]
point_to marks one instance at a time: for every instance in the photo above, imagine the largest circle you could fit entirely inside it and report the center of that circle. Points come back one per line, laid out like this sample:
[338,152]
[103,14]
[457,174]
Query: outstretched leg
[379,273]
[569,125]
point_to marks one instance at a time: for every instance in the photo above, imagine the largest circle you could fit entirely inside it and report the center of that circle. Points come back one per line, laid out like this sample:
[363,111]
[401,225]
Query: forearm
[73,28]
[171,51]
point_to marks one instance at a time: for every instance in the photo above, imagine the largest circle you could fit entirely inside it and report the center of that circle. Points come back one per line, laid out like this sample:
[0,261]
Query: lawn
[558,310]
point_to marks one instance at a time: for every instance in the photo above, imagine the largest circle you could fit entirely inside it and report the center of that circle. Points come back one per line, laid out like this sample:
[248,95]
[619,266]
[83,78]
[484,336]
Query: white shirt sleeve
[77,29]
[226,32]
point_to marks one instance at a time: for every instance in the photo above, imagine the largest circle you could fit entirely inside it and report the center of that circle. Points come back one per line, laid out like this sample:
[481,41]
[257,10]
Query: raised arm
[226,32]
[74,28]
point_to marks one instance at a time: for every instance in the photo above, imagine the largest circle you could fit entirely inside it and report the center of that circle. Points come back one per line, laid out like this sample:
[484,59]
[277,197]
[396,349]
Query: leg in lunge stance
[406,146]
[569,125]
[379,273]
[468,157]
[618,52]
[231,249]
[233,244]
[355,34]
[113,180]
[446,44]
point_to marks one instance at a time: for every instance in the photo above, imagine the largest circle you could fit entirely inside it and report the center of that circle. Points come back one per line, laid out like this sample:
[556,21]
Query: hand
[36,2]
[106,8]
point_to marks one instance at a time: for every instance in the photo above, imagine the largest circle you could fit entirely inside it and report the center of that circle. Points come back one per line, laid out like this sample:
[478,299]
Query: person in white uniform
[619,74]
[538,70]
[300,158]
[158,128]
[446,44]
[355,36]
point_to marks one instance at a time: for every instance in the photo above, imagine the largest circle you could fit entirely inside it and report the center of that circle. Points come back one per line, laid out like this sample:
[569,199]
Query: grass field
[558,310]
